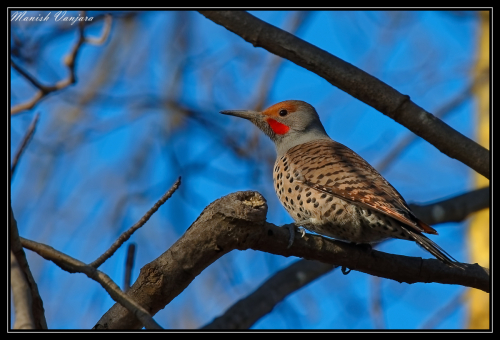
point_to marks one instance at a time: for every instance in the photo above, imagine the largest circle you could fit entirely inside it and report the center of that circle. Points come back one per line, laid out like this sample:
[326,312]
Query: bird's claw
[291,229]
[302,231]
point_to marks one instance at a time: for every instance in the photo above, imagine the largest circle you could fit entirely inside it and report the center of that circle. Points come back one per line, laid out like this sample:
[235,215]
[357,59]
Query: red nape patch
[278,128]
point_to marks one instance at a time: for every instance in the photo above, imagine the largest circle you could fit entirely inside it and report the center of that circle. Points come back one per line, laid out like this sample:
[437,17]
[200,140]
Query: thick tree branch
[244,313]
[21,295]
[358,84]
[17,249]
[237,221]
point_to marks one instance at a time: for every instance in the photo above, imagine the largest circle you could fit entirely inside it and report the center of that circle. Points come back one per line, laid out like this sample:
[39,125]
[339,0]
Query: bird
[329,189]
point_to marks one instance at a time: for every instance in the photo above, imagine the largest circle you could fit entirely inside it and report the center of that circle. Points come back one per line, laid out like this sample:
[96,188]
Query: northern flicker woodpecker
[329,189]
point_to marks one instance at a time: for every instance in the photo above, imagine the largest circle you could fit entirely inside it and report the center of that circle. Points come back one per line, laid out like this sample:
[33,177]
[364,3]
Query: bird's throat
[278,128]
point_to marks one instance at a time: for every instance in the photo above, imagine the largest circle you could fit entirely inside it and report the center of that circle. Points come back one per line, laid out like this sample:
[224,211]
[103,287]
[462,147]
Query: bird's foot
[302,231]
[291,229]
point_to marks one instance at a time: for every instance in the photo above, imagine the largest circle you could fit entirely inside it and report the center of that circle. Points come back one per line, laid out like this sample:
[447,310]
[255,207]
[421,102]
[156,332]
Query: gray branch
[358,84]
[16,248]
[238,221]
[21,295]
[24,143]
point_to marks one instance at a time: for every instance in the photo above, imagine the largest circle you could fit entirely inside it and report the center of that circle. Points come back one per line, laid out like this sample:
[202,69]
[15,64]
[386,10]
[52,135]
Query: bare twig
[357,83]
[442,313]
[69,61]
[21,295]
[24,143]
[44,89]
[126,235]
[129,265]
[108,20]
[17,249]
[237,221]
[72,265]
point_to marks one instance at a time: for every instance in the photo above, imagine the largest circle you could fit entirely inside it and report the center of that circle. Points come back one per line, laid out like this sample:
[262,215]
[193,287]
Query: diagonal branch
[358,84]
[126,235]
[72,265]
[238,221]
[16,248]
[43,88]
[21,295]
[444,312]
[24,143]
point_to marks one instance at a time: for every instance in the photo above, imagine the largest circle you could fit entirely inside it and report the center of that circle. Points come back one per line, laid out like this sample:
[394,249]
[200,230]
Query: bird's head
[287,123]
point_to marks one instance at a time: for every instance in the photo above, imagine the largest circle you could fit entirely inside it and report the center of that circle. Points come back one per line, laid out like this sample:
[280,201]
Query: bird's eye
[283,113]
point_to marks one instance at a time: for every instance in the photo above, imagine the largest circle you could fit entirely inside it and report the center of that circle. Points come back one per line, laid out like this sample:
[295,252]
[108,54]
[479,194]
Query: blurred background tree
[144,109]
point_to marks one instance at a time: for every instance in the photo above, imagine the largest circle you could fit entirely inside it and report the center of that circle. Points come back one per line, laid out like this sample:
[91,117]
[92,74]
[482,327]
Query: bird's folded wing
[333,168]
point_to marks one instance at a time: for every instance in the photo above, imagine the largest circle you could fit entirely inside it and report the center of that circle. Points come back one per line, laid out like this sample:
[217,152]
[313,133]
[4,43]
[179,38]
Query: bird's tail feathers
[426,228]
[434,249]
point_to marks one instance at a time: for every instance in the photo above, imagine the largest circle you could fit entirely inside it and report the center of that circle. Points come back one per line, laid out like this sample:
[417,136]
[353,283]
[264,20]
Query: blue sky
[109,146]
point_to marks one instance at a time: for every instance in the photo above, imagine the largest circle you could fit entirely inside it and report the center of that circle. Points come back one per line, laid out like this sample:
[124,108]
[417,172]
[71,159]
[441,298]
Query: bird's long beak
[247,114]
